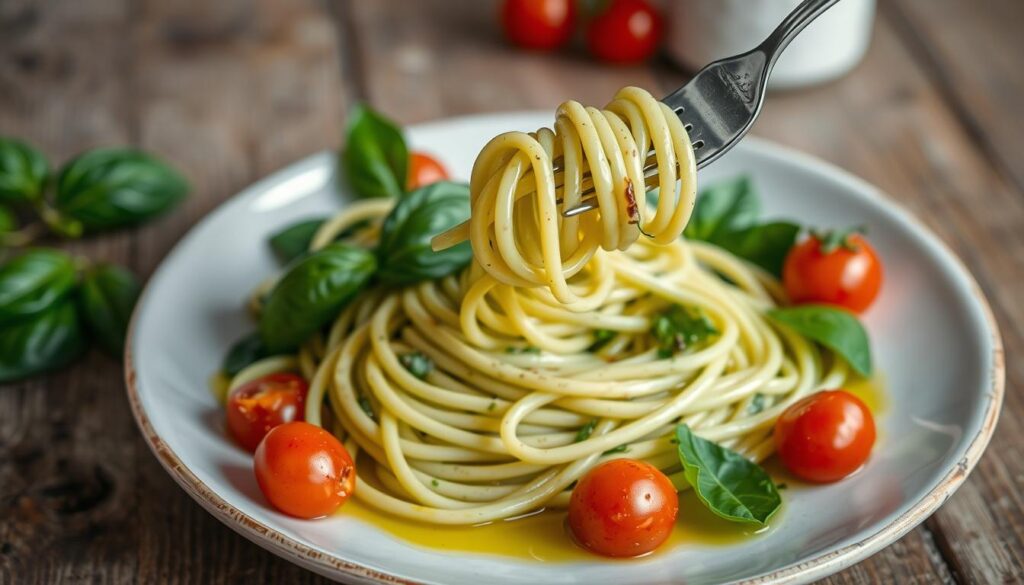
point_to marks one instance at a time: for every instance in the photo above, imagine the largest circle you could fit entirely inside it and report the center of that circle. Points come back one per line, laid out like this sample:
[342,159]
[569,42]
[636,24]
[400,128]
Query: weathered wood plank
[890,122]
[65,475]
[972,52]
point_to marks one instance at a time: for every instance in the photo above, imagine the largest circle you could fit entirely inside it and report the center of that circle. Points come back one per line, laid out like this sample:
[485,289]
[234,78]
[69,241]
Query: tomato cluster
[624,31]
[303,470]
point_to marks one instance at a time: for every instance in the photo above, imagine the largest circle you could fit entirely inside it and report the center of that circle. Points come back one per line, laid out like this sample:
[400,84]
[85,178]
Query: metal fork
[719,105]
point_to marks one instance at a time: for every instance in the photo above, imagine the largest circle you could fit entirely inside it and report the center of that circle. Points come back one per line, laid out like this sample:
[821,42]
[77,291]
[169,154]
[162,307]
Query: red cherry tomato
[826,436]
[627,31]
[260,405]
[424,170]
[303,470]
[849,276]
[538,24]
[623,508]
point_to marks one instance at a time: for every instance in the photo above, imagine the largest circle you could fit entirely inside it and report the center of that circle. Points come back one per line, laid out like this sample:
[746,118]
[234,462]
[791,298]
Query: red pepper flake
[631,209]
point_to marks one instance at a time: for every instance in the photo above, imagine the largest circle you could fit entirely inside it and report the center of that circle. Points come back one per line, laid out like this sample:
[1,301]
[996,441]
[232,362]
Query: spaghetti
[486,395]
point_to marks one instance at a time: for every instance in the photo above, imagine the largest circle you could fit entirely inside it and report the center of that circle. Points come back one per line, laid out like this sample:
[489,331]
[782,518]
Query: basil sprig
[34,281]
[727,215]
[113,188]
[51,305]
[311,293]
[404,253]
[107,298]
[375,157]
[45,306]
[727,483]
[833,327]
[46,341]
[23,171]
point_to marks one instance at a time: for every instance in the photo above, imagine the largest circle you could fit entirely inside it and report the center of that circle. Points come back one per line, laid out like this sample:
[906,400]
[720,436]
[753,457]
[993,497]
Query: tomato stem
[832,240]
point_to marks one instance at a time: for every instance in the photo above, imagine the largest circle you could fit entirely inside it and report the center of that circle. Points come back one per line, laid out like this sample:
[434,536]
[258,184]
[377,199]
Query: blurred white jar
[701,31]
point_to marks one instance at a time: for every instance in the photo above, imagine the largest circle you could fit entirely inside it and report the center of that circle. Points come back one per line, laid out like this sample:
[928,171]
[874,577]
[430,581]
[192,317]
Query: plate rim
[332,566]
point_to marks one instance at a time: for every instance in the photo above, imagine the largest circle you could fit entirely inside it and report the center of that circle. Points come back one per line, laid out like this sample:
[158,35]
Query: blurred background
[919,97]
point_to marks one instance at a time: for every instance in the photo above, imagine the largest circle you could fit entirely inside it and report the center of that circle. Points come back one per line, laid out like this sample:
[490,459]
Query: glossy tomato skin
[304,471]
[538,24]
[826,436]
[424,170]
[261,404]
[623,508]
[627,31]
[844,277]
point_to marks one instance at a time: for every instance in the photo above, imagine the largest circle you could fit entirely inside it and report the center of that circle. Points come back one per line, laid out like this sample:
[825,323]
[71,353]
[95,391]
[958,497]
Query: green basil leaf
[112,188]
[293,241]
[726,215]
[404,253]
[245,352]
[724,207]
[312,292]
[766,244]
[107,298]
[835,328]
[375,158]
[34,281]
[7,221]
[729,484]
[46,341]
[23,171]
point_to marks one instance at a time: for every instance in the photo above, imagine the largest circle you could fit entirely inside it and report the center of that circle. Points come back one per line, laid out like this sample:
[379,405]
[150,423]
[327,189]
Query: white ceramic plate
[933,335]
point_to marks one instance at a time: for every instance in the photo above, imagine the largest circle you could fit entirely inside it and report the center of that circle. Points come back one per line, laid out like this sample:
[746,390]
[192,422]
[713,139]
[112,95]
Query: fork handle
[797,20]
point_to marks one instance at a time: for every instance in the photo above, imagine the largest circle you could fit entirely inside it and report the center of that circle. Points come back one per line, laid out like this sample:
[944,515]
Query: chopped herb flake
[524,349]
[418,364]
[619,449]
[679,328]
[364,403]
[757,403]
[585,431]
[601,339]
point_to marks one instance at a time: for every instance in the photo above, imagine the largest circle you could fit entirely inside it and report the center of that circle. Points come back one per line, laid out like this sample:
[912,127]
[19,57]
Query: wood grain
[232,90]
[65,475]
[972,51]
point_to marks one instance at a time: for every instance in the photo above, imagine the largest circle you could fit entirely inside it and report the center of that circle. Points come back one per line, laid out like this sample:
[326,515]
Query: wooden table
[234,89]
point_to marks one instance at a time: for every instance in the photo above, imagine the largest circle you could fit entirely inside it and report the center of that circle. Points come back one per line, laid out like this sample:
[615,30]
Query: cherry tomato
[303,470]
[424,170]
[260,405]
[826,436]
[627,31]
[623,508]
[538,24]
[849,275]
